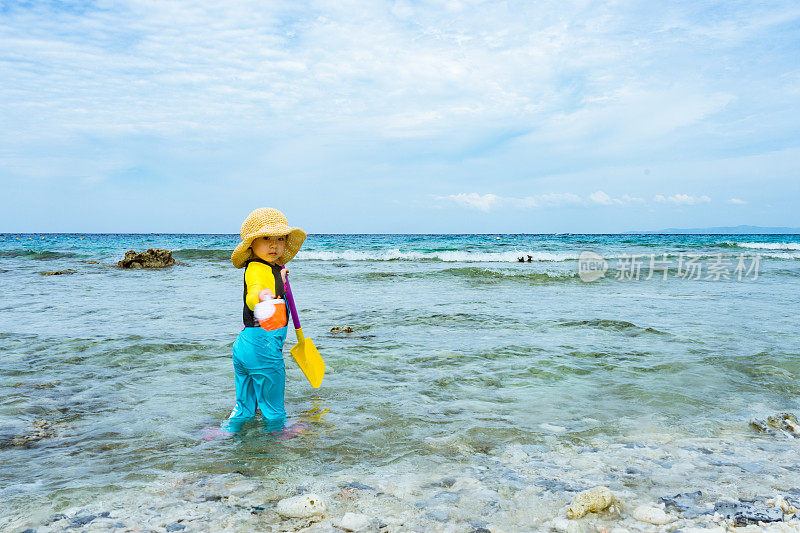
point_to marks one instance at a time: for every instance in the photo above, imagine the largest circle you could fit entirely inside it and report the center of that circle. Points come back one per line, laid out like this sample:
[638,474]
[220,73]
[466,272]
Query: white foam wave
[460,256]
[769,245]
[450,256]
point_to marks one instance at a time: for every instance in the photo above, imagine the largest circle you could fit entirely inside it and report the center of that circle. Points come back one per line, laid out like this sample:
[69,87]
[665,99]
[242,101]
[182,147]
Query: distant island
[760,230]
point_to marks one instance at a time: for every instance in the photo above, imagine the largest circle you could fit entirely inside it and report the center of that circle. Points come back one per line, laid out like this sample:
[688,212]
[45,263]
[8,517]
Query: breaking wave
[458,256]
[482,274]
[392,254]
[450,256]
[791,246]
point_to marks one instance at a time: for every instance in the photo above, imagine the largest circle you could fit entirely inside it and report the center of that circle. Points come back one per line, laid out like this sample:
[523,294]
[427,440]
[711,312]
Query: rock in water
[42,429]
[682,501]
[562,525]
[786,423]
[651,515]
[303,506]
[744,513]
[150,259]
[80,521]
[685,502]
[354,522]
[783,504]
[590,501]
[59,272]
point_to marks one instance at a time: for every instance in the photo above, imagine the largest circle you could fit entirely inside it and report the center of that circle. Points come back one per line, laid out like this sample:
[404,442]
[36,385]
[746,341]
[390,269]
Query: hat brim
[294,240]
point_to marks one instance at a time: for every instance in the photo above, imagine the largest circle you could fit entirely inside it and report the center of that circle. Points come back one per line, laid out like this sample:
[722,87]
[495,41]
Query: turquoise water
[454,341]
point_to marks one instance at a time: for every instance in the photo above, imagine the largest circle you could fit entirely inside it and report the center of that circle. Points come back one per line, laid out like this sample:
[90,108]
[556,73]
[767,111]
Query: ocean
[475,391]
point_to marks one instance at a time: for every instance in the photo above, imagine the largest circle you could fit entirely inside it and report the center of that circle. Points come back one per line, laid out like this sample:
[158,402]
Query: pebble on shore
[651,515]
[354,522]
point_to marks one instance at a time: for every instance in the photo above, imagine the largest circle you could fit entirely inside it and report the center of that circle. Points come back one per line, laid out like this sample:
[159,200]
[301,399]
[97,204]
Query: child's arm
[258,277]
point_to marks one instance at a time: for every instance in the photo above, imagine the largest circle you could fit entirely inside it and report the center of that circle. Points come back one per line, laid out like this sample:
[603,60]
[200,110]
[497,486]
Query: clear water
[453,340]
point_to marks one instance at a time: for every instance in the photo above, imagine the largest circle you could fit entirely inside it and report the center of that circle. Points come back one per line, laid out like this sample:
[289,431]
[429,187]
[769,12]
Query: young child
[267,244]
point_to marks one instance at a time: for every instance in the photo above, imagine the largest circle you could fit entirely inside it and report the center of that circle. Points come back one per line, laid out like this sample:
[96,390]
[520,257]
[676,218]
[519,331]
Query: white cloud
[737,201]
[602,198]
[599,197]
[487,202]
[391,68]
[552,199]
[474,200]
[631,199]
[682,199]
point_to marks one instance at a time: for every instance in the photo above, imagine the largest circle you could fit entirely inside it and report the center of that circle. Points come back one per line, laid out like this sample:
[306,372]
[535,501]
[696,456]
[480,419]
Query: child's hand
[284,272]
[265,294]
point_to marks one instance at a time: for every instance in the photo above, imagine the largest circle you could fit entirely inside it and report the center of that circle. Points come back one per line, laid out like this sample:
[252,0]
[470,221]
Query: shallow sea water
[518,382]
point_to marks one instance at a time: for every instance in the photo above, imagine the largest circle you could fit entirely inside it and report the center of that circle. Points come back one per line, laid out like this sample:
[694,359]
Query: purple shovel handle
[290,300]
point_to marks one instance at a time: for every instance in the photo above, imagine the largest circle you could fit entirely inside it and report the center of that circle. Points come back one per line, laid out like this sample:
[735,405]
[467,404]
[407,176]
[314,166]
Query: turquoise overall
[260,377]
[258,355]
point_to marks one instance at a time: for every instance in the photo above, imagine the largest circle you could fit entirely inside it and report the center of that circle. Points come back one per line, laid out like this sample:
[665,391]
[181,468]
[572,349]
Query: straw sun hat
[267,222]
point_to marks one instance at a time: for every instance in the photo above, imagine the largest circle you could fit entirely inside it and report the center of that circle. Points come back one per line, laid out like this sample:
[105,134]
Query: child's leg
[245,407]
[269,385]
[246,398]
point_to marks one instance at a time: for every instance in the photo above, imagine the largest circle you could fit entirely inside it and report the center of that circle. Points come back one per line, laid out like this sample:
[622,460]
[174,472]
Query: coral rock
[303,506]
[150,259]
[590,501]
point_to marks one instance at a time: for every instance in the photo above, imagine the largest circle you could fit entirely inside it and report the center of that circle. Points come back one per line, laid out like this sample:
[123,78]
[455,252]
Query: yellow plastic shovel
[305,354]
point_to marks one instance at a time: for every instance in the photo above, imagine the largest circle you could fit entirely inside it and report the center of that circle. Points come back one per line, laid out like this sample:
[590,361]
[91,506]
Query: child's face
[269,249]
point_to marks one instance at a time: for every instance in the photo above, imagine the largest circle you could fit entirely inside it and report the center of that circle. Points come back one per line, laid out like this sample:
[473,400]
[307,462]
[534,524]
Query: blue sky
[399,116]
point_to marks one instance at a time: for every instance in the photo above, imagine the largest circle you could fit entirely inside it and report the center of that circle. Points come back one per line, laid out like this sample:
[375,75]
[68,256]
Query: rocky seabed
[708,485]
